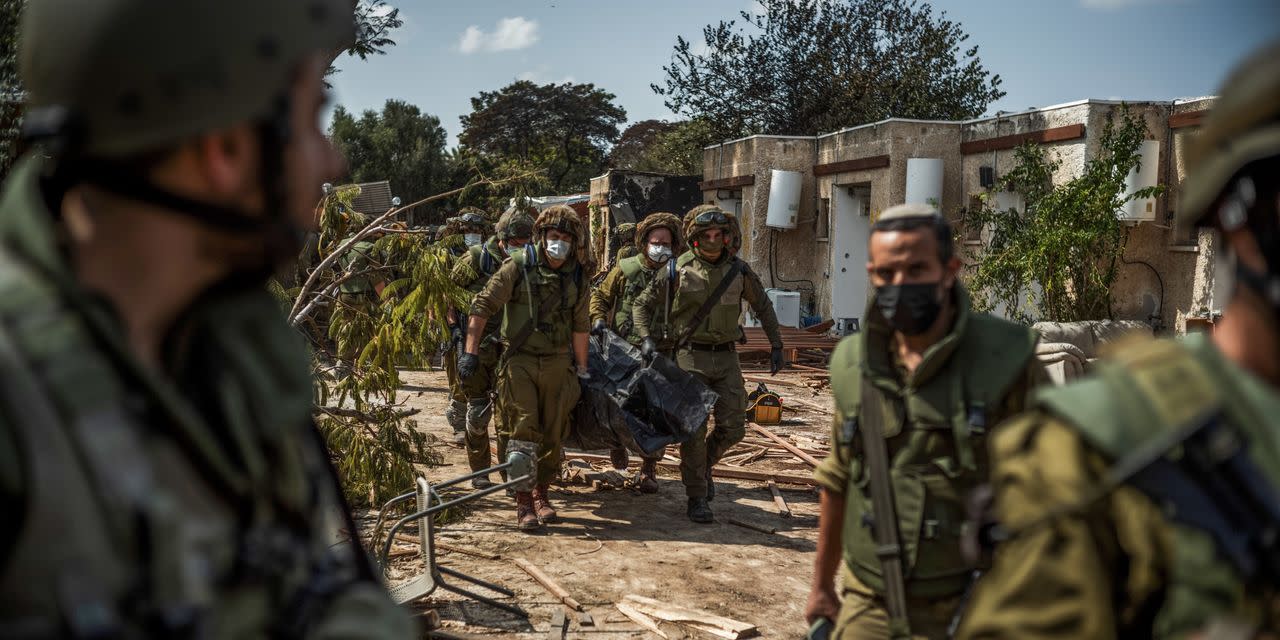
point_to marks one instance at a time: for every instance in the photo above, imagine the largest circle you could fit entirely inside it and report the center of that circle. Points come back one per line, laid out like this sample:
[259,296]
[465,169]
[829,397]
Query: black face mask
[909,308]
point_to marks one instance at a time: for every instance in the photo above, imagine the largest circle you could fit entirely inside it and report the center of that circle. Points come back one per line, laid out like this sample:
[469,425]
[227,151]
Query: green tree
[375,20]
[636,141]
[400,144]
[804,67]
[679,149]
[11,93]
[1057,259]
[564,128]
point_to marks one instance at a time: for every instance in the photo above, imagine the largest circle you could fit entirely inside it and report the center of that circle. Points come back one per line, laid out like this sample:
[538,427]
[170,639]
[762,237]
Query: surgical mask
[471,239]
[909,308]
[659,252]
[558,249]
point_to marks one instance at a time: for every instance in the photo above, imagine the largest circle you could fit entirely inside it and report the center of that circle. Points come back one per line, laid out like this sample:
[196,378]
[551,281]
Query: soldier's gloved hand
[775,360]
[597,329]
[648,349]
[455,334]
[467,364]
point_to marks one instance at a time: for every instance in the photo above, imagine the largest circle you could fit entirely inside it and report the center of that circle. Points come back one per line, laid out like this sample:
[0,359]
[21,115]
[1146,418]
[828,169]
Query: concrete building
[847,177]
[621,196]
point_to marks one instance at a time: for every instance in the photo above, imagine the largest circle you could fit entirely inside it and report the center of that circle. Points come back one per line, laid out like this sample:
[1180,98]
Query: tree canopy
[662,147]
[565,128]
[803,67]
[401,144]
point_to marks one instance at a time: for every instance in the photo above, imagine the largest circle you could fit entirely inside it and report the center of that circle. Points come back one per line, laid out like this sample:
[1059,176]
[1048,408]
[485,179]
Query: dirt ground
[615,542]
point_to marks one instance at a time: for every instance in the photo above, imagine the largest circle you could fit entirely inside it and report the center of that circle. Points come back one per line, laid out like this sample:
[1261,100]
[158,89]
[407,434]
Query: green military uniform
[709,353]
[935,421]
[613,300]
[472,272]
[1057,580]
[536,385]
[161,502]
[456,412]
[1142,501]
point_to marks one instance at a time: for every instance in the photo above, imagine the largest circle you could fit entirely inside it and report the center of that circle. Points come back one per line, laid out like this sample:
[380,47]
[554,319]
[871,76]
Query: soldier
[657,240]
[470,225]
[701,325]
[159,466]
[623,241]
[1142,501]
[472,272]
[358,294]
[542,296]
[915,393]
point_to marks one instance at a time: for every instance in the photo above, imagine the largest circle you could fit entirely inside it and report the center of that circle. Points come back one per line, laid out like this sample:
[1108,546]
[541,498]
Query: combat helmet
[1234,165]
[709,216]
[514,224]
[561,218]
[659,220]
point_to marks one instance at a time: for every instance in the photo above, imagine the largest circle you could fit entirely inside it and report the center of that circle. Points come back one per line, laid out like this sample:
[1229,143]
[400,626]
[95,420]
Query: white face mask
[471,239]
[558,249]
[659,252]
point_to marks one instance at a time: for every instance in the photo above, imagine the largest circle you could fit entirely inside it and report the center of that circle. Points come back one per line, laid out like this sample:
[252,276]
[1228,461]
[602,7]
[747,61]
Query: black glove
[467,363]
[648,349]
[455,335]
[775,360]
[597,329]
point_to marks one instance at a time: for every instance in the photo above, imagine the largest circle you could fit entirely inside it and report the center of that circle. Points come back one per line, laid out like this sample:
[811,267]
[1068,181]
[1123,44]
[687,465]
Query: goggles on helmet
[711,217]
[472,218]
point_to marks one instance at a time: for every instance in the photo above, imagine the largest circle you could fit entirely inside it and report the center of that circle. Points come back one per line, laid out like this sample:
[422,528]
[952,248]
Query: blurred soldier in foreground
[159,469]
[472,272]
[542,296]
[1144,501]
[657,241]
[701,325]
[915,394]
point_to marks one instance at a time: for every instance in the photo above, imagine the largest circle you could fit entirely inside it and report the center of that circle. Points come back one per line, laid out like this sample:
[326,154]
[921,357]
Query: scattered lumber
[752,526]
[821,327]
[702,621]
[785,445]
[547,583]
[783,509]
[719,471]
[778,381]
[558,625]
[639,618]
[465,551]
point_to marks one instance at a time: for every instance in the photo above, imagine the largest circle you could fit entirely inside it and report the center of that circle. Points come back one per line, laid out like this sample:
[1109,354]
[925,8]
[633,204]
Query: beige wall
[1182,260]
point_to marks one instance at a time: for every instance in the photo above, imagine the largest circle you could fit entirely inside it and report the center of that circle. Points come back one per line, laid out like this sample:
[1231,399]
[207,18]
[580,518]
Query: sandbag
[637,407]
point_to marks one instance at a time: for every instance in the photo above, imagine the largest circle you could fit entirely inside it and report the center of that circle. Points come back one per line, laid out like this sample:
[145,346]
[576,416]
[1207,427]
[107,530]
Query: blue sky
[1046,51]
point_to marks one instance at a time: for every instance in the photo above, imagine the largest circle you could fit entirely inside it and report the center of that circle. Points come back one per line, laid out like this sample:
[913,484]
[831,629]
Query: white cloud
[509,34]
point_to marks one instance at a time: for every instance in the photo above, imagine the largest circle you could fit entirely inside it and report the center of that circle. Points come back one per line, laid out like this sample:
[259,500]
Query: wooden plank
[785,383]
[719,471]
[727,183]
[845,166]
[701,620]
[784,444]
[1188,119]
[1044,136]
[559,622]
[463,550]
[639,618]
[783,509]
[821,327]
[752,526]
[550,585]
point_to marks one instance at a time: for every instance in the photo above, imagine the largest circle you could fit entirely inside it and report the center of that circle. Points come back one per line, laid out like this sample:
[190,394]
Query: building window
[823,230]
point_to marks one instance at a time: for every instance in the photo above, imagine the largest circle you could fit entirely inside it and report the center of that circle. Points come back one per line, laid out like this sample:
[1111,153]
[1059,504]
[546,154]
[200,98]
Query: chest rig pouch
[936,444]
[539,316]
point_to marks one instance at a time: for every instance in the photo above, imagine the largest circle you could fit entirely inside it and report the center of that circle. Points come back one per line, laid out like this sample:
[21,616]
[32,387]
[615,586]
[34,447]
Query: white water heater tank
[924,181]
[1147,175]
[784,199]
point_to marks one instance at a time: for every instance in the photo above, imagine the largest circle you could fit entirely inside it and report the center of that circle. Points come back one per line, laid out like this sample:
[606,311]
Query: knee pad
[521,455]
[478,414]
[456,414]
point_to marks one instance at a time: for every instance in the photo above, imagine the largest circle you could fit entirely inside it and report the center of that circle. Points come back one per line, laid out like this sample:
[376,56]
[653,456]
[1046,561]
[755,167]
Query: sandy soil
[615,542]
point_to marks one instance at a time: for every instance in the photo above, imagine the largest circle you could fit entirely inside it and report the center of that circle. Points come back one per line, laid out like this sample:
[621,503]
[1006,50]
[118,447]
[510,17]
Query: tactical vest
[536,284]
[936,440]
[698,279]
[637,276]
[485,264]
[1153,394]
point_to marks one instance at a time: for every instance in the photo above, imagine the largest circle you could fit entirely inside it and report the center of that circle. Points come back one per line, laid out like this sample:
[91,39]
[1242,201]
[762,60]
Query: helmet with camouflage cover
[113,78]
[660,220]
[472,218]
[564,219]
[709,216]
[1234,166]
[515,224]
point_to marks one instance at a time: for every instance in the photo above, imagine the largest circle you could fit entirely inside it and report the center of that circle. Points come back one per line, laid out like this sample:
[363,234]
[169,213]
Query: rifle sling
[888,538]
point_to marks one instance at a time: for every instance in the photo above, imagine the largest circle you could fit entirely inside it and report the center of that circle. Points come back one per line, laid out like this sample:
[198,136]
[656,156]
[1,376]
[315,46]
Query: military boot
[542,505]
[699,511]
[526,519]
[648,476]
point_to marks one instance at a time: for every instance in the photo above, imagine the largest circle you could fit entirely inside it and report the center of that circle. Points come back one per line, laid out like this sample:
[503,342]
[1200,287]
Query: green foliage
[10,85]
[401,144]
[564,128]
[810,66]
[662,147]
[1057,260]
[375,20]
